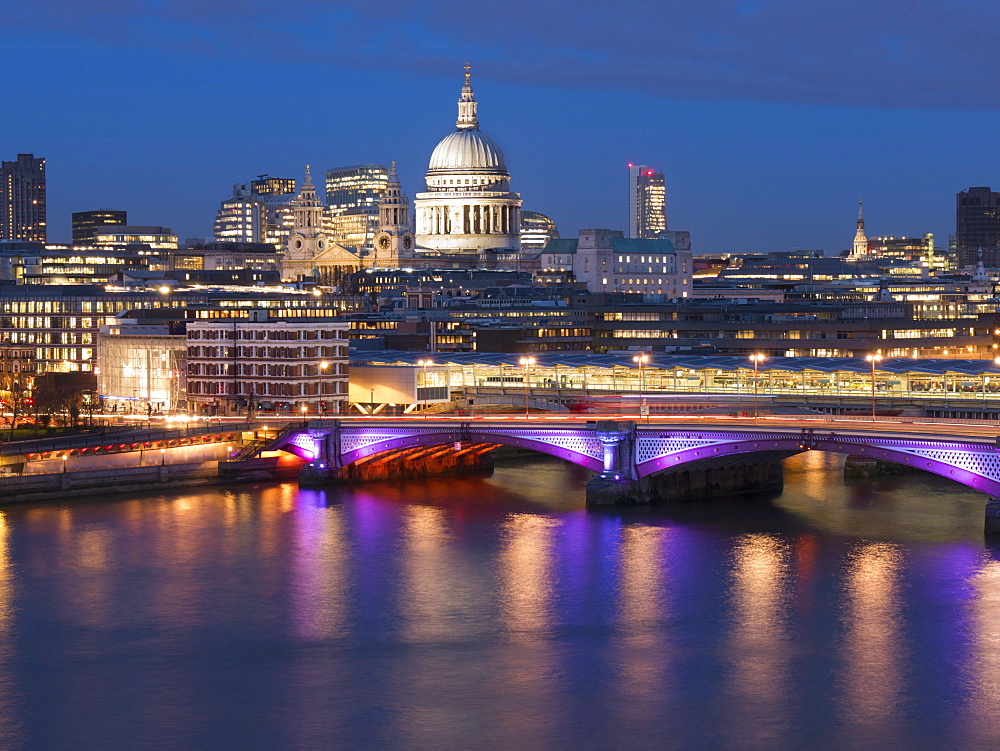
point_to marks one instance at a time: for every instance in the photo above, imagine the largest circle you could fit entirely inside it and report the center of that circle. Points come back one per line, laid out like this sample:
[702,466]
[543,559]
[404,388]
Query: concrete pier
[685,485]
[992,522]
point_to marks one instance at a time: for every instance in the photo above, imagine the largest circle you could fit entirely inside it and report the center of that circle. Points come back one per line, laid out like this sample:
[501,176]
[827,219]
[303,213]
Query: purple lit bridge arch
[626,452]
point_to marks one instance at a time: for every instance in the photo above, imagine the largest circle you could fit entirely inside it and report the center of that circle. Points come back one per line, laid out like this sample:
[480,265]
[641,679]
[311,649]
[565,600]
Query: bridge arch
[974,469]
[582,450]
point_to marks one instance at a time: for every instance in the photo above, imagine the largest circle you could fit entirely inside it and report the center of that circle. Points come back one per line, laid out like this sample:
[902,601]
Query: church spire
[860,241]
[467,104]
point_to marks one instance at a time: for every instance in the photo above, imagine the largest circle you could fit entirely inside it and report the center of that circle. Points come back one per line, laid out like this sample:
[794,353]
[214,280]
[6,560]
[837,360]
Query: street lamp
[303,409]
[527,362]
[641,360]
[756,359]
[321,402]
[873,359]
[424,364]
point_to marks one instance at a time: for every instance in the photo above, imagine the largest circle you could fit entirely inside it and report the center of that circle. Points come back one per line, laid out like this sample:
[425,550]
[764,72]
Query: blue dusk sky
[769,118]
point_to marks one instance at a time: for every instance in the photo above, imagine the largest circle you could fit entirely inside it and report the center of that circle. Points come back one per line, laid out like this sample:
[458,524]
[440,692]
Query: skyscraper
[257,212]
[977,223]
[22,199]
[87,223]
[352,199]
[357,189]
[647,202]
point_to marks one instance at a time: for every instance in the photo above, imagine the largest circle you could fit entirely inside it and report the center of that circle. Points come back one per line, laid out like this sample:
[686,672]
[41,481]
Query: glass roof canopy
[896,365]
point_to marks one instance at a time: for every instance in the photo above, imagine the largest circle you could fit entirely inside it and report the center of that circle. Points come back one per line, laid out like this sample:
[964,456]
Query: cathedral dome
[467,150]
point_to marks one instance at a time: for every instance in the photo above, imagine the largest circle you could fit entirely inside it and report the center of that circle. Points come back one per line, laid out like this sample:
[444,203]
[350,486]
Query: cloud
[924,54]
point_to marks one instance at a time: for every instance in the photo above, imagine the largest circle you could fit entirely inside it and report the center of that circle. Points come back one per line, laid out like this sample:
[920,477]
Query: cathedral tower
[307,239]
[393,240]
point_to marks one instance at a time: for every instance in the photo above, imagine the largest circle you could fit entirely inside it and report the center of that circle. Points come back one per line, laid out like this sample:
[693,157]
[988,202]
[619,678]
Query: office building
[157,238]
[977,224]
[647,202]
[537,230]
[357,189]
[240,218]
[608,262]
[292,366]
[265,185]
[352,199]
[86,224]
[22,199]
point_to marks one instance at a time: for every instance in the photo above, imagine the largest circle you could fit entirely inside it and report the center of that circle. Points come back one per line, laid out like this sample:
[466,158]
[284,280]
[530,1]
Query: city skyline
[770,157]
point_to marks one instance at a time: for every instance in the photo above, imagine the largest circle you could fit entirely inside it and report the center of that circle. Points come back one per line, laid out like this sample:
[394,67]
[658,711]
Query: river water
[495,612]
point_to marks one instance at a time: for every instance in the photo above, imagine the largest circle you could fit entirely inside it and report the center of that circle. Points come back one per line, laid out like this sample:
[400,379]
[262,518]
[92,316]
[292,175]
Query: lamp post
[756,359]
[303,411]
[641,360]
[873,359]
[424,364]
[321,402]
[527,362]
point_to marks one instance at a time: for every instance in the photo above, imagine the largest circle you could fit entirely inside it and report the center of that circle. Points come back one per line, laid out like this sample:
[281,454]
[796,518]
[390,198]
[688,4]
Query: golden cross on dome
[468,75]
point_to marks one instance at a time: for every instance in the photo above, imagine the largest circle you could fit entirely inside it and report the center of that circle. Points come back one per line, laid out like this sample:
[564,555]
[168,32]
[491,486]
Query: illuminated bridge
[636,463]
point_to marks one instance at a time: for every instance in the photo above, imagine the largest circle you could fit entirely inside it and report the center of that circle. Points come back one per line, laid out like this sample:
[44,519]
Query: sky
[769,118]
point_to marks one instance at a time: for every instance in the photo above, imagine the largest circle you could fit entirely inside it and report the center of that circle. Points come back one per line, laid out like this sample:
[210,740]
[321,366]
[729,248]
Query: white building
[291,366]
[609,262]
[468,205]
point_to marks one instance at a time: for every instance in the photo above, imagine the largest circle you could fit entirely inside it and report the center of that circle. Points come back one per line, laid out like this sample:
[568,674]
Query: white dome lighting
[466,150]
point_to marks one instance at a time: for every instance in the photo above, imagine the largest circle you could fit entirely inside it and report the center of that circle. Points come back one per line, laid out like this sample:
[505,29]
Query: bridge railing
[66,443]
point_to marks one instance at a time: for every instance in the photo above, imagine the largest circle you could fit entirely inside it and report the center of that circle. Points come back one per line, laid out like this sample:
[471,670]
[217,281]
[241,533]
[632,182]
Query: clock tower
[394,240]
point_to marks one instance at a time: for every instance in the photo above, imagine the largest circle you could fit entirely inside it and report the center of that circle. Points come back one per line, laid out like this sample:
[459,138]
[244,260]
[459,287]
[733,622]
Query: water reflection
[981,724]
[871,678]
[525,568]
[456,613]
[321,570]
[644,654]
[759,647]
[10,725]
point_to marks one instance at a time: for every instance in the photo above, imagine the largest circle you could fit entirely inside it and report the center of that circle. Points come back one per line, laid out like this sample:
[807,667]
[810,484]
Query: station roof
[898,365]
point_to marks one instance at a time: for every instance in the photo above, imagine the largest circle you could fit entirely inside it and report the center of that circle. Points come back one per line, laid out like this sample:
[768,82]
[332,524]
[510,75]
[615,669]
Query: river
[495,612]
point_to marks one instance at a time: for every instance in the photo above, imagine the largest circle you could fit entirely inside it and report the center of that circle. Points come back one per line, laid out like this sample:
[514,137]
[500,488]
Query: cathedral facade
[468,206]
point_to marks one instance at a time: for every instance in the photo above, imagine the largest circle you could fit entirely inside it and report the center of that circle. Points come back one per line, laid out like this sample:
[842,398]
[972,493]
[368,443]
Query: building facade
[22,199]
[647,202]
[293,367]
[141,366]
[468,205]
[537,230]
[157,238]
[977,226]
[608,262]
[352,200]
[86,224]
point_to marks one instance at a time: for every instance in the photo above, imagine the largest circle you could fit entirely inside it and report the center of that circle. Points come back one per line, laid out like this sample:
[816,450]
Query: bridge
[635,463]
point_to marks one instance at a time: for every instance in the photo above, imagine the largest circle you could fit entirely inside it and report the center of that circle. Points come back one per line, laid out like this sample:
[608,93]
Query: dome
[467,150]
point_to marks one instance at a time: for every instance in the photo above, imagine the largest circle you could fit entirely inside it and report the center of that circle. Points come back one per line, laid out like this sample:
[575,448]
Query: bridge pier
[617,484]
[992,522]
[324,468]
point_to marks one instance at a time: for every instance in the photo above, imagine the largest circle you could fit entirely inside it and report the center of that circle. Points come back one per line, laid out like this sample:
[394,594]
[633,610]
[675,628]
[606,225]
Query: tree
[16,381]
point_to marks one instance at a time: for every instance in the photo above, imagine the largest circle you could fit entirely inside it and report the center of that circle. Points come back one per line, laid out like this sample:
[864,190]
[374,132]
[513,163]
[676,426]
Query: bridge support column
[323,469]
[992,525]
[617,485]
